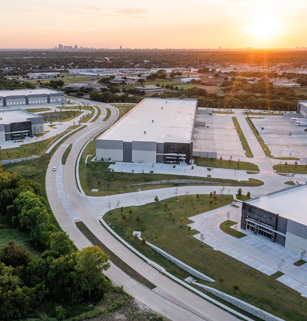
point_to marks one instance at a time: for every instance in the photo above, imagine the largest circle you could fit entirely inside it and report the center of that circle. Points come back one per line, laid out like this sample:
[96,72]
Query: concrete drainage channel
[228,298]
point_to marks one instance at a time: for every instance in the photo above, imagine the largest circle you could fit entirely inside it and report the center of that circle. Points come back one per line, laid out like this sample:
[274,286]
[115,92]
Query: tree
[14,255]
[90,263]
[61,243]
[239,191]
[156,199]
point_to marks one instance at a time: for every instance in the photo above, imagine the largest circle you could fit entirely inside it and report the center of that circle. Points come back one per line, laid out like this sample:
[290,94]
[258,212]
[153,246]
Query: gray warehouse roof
[156,120]
[16,116]
[290,203]
[27,92]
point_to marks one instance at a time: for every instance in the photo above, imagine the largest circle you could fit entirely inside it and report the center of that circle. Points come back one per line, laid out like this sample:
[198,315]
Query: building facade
[302,108]
[21,97]
[19,124]
[281,217]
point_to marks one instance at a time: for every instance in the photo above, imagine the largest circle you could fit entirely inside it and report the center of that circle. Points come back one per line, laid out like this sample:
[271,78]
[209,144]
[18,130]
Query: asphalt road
[168,298]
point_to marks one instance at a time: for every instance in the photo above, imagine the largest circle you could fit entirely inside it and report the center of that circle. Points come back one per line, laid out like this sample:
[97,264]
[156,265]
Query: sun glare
[265,28]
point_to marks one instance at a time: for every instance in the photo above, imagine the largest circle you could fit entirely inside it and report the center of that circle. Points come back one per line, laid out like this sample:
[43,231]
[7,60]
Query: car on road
[53,169]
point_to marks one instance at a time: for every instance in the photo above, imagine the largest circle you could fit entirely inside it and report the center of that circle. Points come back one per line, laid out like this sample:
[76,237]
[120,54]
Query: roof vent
[144,132]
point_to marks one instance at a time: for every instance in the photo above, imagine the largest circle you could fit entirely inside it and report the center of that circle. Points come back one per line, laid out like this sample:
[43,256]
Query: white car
[53,169]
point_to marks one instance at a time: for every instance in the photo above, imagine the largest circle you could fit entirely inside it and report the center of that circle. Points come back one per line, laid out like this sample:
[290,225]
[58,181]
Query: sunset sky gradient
[154,24]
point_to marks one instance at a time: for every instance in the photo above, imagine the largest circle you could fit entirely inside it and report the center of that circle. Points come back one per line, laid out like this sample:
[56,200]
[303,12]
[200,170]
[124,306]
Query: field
[165,225]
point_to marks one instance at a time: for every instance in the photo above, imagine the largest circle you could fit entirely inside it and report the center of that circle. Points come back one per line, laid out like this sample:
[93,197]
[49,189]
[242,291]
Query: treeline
[62,278]
[11,84]
[109,97]
[261,96]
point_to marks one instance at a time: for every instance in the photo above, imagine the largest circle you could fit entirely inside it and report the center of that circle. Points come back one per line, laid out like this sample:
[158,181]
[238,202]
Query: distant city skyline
[197,24]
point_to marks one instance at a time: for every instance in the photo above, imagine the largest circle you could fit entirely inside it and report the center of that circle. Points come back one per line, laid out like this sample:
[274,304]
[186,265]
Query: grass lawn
[65,115]
[226,227]
[37,110]
[222,112]
[223,163]
[107,115]
[123,108]
[97,175]
[264,114]
[290,183]
[290,168]
[300,262]
[242,197]
[79,108]
[26,150]
[263,144]
[170,232]
[242,138]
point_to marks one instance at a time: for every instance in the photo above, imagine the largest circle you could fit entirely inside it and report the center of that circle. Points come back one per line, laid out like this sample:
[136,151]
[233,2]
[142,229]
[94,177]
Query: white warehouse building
[19,124]
[154,131]
[280,216]
[302,108]
[21,97]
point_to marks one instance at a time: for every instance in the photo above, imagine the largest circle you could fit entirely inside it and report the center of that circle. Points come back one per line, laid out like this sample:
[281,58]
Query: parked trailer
[301,123]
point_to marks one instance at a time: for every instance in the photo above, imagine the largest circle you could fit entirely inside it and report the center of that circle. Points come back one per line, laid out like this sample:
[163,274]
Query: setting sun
[264,28]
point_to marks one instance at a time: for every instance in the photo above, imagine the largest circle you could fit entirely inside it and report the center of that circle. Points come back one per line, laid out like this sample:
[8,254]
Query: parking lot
[216,133]
[282,136]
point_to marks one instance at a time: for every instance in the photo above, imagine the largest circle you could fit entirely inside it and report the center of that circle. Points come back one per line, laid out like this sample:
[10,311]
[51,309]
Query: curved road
[168,298]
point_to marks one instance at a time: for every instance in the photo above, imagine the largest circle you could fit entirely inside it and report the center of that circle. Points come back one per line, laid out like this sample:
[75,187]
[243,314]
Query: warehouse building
[20,97]
[154,131]
[302,108]
[281,217]
[43,75]
[19,124]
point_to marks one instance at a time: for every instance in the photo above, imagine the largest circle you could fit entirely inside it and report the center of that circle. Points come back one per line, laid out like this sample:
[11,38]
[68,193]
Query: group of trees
[109,97]
[11,84]
[61,277]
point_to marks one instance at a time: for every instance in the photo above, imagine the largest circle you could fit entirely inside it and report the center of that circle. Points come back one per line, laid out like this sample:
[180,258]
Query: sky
[194,24]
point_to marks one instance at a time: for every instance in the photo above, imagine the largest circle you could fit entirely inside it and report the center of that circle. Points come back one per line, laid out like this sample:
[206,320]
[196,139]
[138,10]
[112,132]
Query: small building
[281,217]
[150,89]
[19,124]
[43,75]
[154,131]
[189,79]
[20,97]
[302,108]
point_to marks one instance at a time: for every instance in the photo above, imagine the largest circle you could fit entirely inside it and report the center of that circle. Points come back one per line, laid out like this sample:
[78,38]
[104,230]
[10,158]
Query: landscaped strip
[113,257]
[107,116]
[226,227]
[290,168]
[263,144]
[97,115]
[66,153]
[246,148]
[224,163]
